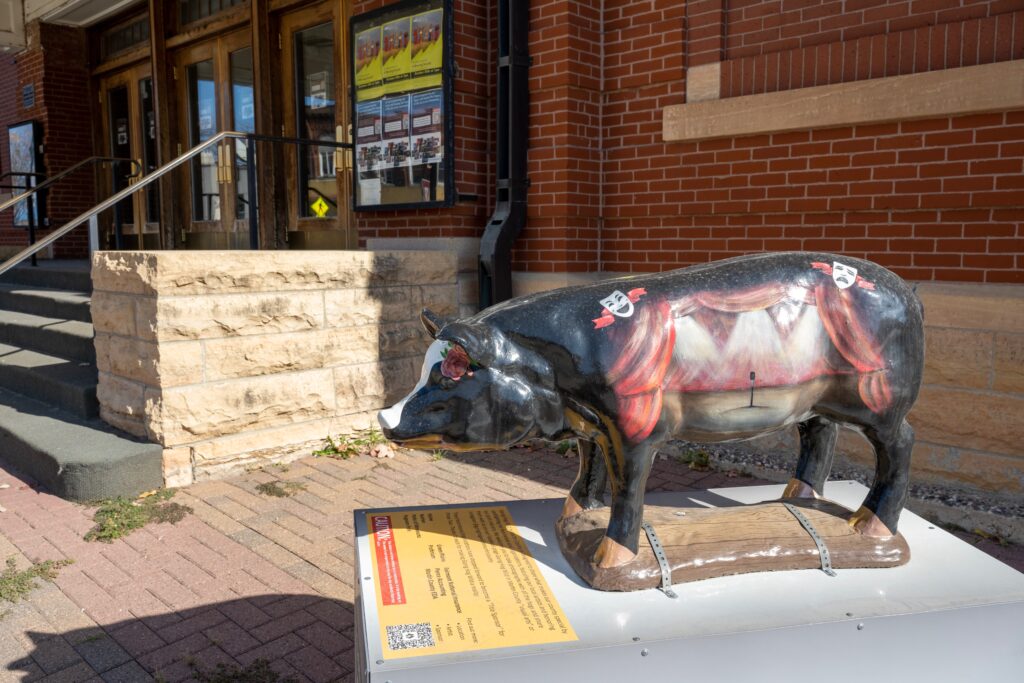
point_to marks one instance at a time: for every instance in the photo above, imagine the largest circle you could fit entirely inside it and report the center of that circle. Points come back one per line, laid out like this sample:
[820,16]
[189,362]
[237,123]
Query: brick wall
[782,44]
[937,199]
[933,199]
[55,62]
[67,97]
[763,26]
[563,224]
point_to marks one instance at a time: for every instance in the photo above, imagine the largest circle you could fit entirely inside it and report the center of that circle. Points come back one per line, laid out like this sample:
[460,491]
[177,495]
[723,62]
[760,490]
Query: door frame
[305,232]
[128,77]
[218,50]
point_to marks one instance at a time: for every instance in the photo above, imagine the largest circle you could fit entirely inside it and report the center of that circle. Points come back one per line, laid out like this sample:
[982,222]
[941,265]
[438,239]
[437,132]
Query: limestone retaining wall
[229,358]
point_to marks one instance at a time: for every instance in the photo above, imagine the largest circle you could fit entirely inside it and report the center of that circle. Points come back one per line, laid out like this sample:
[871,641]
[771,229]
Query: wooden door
[215,93]
[129,131]
[314,97]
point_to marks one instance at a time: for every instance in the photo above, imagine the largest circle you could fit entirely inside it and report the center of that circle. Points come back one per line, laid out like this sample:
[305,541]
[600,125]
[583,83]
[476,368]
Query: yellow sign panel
[320,207]
[396,55]
[426,55]
[456,580]
[368,60]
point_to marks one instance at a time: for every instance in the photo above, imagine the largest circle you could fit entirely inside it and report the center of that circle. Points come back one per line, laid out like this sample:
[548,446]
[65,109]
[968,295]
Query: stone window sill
[966,90]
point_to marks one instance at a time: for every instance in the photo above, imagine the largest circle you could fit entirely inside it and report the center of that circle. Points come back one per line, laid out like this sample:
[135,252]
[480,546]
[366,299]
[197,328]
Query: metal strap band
[826,560]
[659,554]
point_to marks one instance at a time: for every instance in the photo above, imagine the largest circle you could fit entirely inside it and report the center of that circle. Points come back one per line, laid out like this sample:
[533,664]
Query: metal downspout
[513,110]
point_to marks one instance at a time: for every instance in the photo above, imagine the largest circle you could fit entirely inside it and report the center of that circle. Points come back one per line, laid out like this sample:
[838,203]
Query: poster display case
[402,106]
[25,145]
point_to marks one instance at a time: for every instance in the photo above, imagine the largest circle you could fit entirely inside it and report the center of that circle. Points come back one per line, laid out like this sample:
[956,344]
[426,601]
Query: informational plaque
[457,580]
[440,587]
[402,106]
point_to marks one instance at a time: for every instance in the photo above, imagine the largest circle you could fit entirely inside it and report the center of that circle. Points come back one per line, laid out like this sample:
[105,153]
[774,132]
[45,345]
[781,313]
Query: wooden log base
[705,543]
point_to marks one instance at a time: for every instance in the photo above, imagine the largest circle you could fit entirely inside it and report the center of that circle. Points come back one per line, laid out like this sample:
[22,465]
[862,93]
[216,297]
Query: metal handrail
[24,174]
[114,199]
[67,171]
[146,180]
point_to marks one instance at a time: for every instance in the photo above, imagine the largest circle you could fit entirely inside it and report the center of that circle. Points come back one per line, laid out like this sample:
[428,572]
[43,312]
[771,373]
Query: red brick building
[934,192]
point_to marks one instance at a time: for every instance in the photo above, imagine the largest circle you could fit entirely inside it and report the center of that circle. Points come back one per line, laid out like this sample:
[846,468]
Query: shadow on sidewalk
[543,465]
[298,638]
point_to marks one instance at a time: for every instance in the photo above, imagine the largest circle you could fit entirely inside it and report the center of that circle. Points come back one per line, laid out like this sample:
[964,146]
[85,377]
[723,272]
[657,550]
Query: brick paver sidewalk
[247,576]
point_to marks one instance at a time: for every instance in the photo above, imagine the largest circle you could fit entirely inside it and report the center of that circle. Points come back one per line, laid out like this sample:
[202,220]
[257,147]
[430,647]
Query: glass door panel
[217,94]
[202,125]
[243,120]
[119,130]
[316,115]
[149,153]
[130,133]
[316,179]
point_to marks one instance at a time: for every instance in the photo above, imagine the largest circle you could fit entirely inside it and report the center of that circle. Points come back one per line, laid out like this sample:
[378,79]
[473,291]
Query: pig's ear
[484,344]
[432,322]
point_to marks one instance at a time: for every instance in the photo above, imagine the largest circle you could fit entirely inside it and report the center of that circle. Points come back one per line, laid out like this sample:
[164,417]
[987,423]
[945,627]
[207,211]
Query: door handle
[224,163]
[136,178]
[342,159]
[229,160]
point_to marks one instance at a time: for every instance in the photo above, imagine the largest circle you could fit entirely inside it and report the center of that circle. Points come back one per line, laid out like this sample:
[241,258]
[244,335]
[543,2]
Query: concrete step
[67,275]
[71,339]
[77,459]
[68,385]
[52,303]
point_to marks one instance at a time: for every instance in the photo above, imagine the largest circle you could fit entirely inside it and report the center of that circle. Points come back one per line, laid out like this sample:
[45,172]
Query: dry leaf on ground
[382,450]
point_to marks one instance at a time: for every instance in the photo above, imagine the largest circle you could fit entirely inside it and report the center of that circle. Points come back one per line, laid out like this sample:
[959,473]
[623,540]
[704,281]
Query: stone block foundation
[229,359]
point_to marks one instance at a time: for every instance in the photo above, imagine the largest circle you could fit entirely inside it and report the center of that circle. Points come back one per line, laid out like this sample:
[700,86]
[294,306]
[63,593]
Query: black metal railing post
[250,178]
[30,200]
[117,227]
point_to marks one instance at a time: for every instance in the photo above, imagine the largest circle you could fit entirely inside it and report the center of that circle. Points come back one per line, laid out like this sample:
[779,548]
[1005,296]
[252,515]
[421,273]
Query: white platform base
[951,614]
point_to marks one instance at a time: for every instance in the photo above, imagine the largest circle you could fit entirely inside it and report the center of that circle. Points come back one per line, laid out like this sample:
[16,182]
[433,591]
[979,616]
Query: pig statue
[718,352]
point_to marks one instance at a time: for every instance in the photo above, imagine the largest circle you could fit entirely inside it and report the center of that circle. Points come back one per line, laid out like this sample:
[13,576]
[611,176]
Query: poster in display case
[25,145]
[402,106]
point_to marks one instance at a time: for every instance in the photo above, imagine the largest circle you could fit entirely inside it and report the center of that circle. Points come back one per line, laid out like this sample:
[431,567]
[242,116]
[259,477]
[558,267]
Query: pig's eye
[436,408]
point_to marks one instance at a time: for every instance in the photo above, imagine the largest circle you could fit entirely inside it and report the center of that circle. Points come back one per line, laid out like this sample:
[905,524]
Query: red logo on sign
[389,574]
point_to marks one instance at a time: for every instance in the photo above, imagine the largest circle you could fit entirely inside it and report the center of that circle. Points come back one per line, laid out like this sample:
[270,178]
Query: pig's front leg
[628,470]
[588,490]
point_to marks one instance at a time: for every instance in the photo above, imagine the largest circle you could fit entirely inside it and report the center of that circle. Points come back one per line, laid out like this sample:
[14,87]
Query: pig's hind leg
[817,449]
[880,513]
[587,492]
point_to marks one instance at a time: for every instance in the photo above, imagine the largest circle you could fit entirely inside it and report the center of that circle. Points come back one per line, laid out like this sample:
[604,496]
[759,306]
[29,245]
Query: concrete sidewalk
[247,576]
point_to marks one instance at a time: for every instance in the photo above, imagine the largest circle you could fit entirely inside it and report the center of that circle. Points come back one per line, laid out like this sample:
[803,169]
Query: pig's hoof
[571,508]
[610,554]
[799,489]
[866,523]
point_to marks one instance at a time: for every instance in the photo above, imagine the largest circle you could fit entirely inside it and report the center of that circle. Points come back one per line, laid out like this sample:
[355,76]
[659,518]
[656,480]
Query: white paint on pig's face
[390,417]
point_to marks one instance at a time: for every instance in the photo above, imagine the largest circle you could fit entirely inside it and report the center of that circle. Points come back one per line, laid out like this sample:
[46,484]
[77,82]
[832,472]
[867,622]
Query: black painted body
[820,344]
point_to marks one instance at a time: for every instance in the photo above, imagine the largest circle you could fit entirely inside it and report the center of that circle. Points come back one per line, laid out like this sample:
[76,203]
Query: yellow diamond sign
[319,207]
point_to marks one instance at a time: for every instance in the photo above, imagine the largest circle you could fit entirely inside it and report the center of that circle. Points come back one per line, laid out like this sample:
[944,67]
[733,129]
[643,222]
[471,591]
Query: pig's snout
[389,419]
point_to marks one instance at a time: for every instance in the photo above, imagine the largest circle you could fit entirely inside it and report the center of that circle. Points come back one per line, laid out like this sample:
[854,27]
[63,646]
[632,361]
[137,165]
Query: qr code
[407,636]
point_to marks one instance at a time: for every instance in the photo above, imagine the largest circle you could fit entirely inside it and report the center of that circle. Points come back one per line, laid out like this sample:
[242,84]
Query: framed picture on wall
[402,106]
[25,140]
